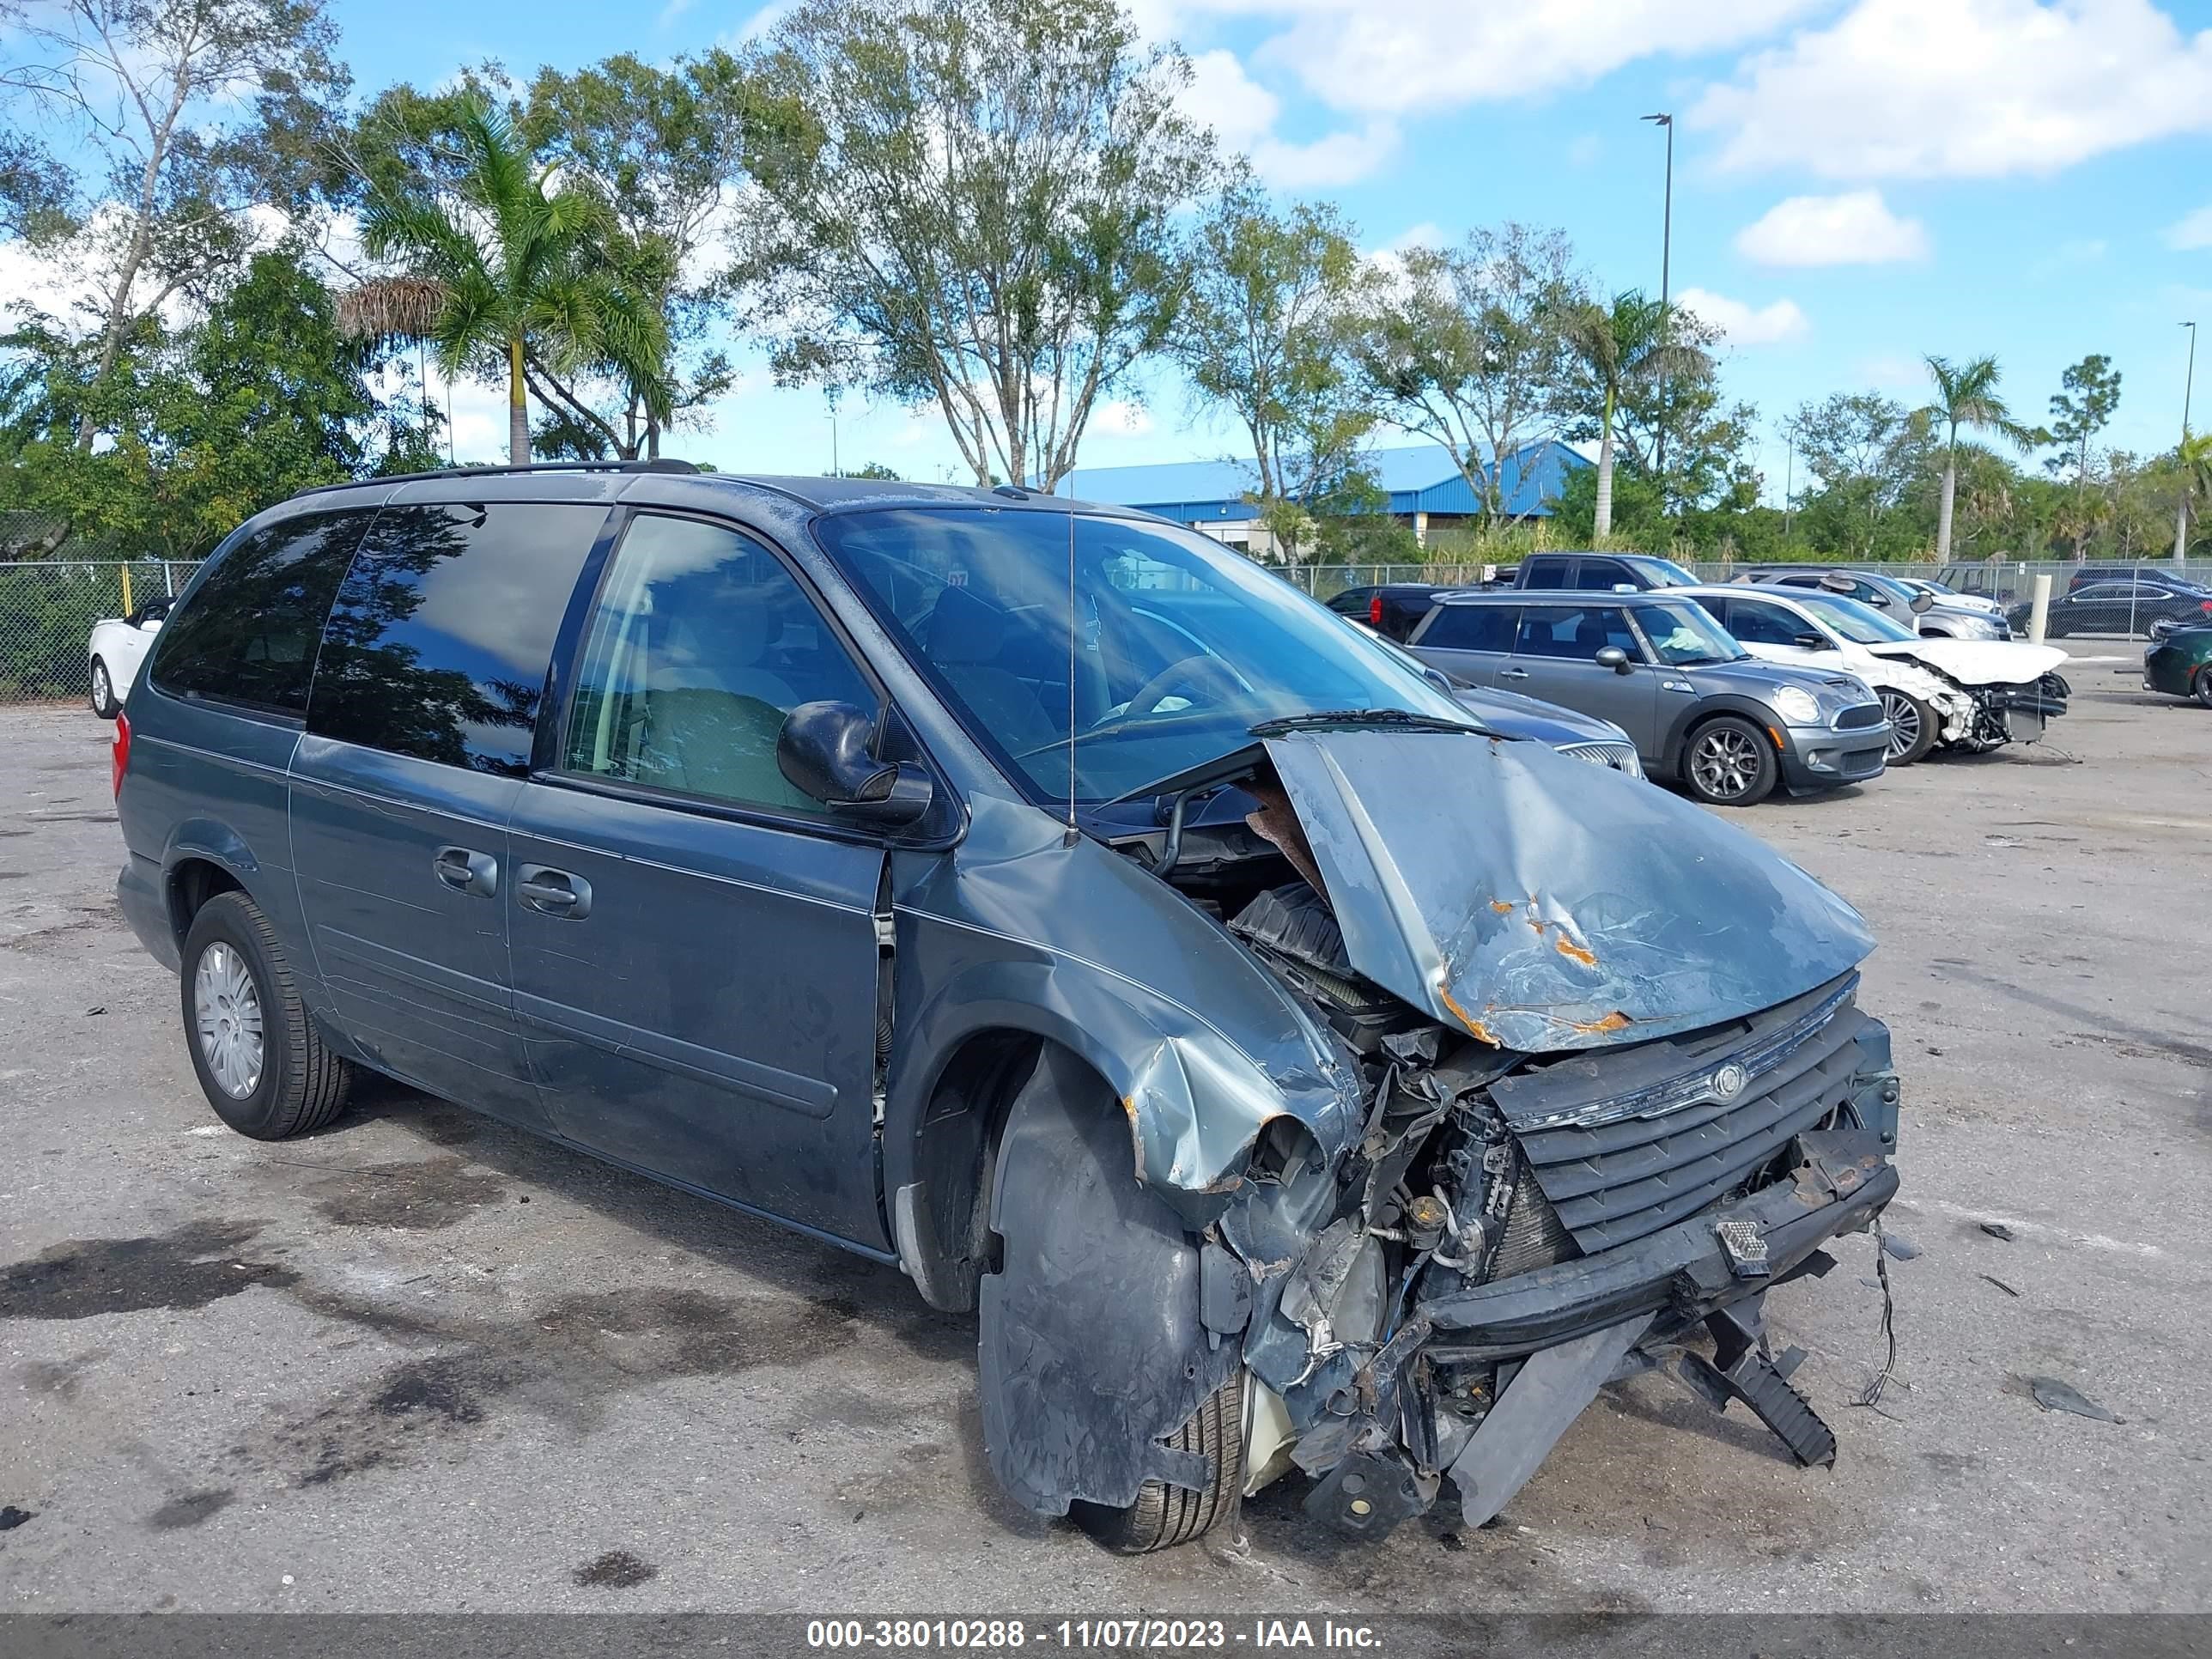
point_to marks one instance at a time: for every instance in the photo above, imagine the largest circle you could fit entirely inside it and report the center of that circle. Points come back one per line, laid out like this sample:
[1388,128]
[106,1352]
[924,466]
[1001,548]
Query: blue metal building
[1424,486]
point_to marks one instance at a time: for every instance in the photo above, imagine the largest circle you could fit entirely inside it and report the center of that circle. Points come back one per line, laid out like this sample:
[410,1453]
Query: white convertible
[1972,694]
[118,645]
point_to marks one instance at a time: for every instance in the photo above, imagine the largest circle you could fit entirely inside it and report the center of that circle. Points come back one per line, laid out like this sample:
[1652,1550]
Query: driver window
[1766,624]
[1578,633]
[701,643]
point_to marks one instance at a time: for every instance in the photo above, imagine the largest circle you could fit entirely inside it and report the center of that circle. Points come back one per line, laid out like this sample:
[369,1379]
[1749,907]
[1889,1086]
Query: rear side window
[1472,628]
[1601,576]
[249,635]
[1545,570]
[438,642]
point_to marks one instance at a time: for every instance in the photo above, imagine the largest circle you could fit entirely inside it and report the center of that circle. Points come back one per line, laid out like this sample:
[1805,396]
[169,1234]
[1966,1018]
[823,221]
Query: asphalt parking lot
[419,1362]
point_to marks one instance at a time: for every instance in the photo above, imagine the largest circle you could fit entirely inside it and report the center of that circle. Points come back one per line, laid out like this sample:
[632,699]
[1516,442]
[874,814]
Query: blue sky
[1857,182]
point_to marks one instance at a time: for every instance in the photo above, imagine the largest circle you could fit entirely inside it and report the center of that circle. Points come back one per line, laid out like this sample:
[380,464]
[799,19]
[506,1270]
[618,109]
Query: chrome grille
[1620,1162]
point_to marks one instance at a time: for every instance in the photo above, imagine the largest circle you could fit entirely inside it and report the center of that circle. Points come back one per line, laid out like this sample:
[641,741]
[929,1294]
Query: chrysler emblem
[1728,1081]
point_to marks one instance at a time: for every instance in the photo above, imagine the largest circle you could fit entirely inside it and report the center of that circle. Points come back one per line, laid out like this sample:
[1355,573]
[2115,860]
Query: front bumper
[1820,757]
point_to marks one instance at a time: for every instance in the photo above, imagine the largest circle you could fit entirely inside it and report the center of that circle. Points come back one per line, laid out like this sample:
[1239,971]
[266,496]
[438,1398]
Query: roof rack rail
[662,465]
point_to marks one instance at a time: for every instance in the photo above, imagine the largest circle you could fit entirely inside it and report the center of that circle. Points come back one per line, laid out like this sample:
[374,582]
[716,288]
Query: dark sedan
[2128,608]
[2180,665]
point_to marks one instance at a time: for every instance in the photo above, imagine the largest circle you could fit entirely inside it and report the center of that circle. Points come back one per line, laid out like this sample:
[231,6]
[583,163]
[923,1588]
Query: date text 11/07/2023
[983,1636]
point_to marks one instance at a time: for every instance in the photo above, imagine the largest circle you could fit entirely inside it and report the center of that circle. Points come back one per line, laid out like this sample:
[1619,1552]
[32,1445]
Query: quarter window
[701,644]
[248,635]
[439,641]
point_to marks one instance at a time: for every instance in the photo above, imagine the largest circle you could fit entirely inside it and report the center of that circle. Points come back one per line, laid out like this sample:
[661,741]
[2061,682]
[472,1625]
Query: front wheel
[1164,1515]
[1729,762]
[103,691]
[2201,687]
[1913,727]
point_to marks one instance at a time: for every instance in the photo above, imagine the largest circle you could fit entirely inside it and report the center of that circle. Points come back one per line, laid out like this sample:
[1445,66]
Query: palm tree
[1622,346]
[2196,457]
[507,263]
[1966,396]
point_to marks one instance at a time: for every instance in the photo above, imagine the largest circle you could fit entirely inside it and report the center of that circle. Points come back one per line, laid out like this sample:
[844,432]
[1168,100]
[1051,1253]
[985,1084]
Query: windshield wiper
[1399,720]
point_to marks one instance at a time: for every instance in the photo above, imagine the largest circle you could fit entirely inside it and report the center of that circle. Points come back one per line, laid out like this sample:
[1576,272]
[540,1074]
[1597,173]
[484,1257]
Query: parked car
[2179,664]
[1994,580]
[1921,612]
[1393,610]
[1969,694]
[1512,716]
[1030,894]
[1941,594]
[2149,576]
[117,646]
[1703,711]
[2129,609]
[1600,572]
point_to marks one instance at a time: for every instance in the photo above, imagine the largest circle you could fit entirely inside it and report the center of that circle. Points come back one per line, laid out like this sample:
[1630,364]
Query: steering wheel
[1192,673]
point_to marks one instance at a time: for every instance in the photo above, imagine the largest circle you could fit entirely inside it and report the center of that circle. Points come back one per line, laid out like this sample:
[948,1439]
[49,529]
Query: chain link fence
[48,606]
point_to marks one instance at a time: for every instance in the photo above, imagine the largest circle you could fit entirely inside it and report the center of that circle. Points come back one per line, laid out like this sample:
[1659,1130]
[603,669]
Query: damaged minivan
[1287,1072]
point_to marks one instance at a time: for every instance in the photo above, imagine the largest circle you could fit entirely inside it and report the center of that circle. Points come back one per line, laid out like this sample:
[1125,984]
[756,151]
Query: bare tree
[1467,348]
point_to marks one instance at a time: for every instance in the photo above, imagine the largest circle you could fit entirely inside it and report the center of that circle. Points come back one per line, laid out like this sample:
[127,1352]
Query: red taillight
[122,752]
[1375,611]
[2204,604]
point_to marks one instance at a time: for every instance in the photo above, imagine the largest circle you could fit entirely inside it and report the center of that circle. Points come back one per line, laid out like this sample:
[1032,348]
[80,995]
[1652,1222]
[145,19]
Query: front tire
[2201,687]
[1913,727]
[260,1062]
[1727,762]
[103,691]
[1164,1515]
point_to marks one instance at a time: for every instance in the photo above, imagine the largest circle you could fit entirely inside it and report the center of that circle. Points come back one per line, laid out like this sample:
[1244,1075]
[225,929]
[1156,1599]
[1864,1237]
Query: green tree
[1616,351]
[2088,397]
[1464,347]
[665,149]
[1966,396]
[973,205]
[512,267]
[2194,463]
[1267,330]
[176,118]
[1864,451]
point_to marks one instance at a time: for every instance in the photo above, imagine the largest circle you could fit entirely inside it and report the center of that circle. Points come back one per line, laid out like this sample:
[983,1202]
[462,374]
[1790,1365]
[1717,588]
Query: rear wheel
[261,1063]
[2201,687]
[1729,761]
[1912,726]
[103,691]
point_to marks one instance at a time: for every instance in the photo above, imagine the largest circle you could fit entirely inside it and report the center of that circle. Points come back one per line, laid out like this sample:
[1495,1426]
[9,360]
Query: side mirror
[822,752]
[1614,657]
[1810,642]
[1923,602]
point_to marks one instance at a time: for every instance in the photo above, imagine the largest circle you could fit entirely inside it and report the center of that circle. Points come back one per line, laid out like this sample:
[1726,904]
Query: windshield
[1179,646]
[1665,572]
[1683,632]
[1862,624]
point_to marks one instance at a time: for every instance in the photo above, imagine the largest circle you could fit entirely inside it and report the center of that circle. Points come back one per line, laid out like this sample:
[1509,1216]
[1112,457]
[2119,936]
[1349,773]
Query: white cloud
[1855,228]
[1244,113]
[1387,57]
[1120,418]
[1743,324]
[671,11]
[2191,230]
[1963,88]
[1391,259]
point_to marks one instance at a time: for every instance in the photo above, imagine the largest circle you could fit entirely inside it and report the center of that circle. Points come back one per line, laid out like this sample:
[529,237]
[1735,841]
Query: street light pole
[2188,388]
[1666,120]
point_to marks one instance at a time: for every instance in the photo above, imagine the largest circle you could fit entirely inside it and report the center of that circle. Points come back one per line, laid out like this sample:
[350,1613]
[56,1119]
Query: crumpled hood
[1978,662]
[1542,903]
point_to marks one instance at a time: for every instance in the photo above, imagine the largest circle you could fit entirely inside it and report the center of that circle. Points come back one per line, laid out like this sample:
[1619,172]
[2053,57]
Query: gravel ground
[420,1361]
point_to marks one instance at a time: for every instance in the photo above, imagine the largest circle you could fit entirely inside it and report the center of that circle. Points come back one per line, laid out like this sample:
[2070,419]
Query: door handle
[1512,673]
[465,872]
[554,892]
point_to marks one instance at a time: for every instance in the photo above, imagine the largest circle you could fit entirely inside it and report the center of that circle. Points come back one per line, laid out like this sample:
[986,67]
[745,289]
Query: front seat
[1590,636]
[963,638]
[712,710]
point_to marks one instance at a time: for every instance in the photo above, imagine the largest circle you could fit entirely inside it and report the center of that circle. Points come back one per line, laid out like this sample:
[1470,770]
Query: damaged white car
[1968,695]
